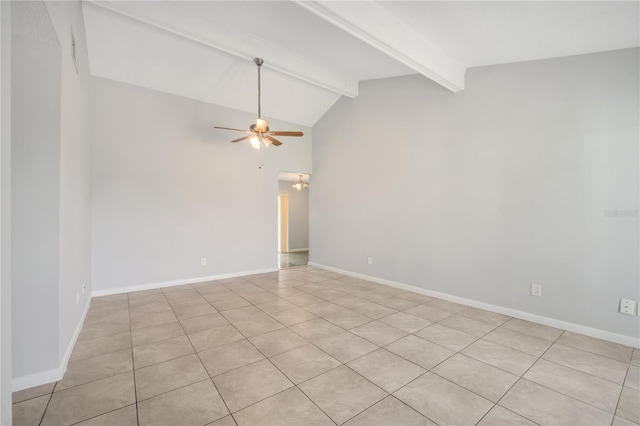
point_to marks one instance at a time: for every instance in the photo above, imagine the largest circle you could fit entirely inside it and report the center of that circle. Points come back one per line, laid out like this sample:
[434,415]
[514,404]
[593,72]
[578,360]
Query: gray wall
[168,189]
[480,193]
[50,187]
[5,214]
[35,165]
[298,215]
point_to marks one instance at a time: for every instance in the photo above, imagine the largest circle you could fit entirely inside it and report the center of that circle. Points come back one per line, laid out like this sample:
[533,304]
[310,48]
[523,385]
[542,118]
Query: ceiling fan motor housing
[261,125]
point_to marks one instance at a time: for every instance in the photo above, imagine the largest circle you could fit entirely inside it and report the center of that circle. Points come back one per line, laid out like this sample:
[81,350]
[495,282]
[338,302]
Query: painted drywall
[5,214]
[168,189]
[75,173]
[481,193]
[298,215]
[35,167]
[50,188]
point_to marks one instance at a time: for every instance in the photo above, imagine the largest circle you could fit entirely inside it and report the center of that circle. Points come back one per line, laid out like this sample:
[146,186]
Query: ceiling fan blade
[241,139]
[229,128]
[285,133]
[274,141]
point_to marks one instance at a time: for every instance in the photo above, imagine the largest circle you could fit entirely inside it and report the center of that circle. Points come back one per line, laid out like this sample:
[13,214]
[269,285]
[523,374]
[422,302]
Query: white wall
[35,203]
[75,173]
[169,190]
[298,215]
[51,183]
[480,193]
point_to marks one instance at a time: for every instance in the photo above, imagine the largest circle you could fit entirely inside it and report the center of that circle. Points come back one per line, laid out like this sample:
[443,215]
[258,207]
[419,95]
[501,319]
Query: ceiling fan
[259,133]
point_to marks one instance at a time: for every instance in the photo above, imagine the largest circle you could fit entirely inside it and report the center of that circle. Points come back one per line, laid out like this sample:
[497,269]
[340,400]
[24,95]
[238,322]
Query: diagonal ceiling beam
[376,26]
[226,38]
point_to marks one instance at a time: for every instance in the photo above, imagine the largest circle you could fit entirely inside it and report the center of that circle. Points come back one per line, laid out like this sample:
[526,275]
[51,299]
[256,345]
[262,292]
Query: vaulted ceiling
[315,52]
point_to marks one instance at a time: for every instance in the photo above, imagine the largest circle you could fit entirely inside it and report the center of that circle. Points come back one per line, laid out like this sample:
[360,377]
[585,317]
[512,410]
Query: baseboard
[74,338]
[296,250]
[55,374]
[551,322]
[37,379]
[196,280]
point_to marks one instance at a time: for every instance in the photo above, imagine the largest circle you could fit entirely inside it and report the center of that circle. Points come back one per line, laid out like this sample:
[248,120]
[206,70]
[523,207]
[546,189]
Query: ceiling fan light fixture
[255,142]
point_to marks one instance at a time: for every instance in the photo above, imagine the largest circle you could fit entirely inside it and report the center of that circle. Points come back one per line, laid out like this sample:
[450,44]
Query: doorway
[293,219]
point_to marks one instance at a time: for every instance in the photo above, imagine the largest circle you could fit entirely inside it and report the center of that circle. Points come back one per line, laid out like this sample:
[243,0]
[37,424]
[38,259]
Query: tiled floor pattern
[310,347]
[289,260]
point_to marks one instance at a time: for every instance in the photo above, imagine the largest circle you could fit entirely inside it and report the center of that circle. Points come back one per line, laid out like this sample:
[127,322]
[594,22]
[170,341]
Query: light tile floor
[305,346]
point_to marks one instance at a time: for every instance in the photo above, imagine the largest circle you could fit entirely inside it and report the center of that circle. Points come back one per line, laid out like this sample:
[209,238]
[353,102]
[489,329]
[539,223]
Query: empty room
[309,212]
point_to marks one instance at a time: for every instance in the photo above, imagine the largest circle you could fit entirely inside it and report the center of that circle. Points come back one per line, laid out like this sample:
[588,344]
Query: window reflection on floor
[288,260]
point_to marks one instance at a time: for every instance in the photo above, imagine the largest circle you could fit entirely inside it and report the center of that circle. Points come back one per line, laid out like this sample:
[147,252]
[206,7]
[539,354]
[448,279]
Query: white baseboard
[129,289]
[551,322]
[74,338]
[296,250]
[37,379]
[55,374]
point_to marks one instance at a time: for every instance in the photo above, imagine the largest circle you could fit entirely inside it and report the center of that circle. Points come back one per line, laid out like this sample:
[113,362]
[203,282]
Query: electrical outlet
[536,289]
[627,307]
[369,260]
[203,261]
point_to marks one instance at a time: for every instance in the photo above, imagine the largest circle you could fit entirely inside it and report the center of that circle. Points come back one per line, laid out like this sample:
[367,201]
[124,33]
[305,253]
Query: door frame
[283,223]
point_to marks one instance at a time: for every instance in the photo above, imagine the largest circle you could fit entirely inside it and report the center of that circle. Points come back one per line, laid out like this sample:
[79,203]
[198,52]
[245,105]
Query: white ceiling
[315,52]
[293,176]
[488,33]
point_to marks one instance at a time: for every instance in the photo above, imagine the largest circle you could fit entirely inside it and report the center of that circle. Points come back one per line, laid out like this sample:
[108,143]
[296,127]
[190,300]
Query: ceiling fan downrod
[258,62]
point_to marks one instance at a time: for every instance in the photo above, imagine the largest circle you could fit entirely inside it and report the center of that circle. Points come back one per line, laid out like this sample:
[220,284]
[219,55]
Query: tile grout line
[132,371]
[265,358]
[580,371]
[133,364]
[102,414]
[430,370]
[522,378]
[205,369]
[268,287]
[47,406]
[281,372]
[382,347]
[620,395]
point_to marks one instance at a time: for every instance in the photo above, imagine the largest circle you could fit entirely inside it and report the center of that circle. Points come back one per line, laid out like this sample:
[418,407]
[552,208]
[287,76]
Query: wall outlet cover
[536,289]
[627,307]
